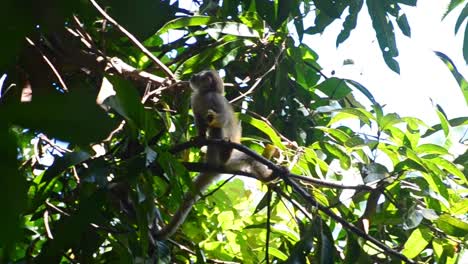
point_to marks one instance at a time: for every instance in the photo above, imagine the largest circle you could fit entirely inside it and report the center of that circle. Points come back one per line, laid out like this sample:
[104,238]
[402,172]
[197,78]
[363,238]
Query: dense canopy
[98,143]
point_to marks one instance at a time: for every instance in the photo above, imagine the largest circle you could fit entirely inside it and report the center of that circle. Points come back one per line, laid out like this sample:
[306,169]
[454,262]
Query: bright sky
[422,74]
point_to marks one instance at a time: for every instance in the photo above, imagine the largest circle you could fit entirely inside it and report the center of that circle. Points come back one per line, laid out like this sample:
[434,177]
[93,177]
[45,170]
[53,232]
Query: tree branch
[135,41]
[286,177]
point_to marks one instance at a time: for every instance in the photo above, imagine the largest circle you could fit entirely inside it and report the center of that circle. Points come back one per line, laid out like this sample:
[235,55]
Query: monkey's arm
[201,125]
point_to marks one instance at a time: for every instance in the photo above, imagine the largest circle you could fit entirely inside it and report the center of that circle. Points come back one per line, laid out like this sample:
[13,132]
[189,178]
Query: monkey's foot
[212,119]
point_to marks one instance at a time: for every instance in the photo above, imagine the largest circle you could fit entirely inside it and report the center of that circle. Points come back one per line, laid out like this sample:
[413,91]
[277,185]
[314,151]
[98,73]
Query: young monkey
[215,119]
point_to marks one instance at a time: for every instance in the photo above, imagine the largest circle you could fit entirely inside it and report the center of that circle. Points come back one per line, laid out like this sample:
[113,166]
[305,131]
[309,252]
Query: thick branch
[199,142]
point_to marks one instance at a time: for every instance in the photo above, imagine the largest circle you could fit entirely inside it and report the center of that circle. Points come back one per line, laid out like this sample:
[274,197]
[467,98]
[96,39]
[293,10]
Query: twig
[268,228]
[53,145]
[51,66]
[259,79]
[253,87]
[46,224]
[330,184]
[135,41]
[292,201]
[62,212]
[219,187]
[188,250]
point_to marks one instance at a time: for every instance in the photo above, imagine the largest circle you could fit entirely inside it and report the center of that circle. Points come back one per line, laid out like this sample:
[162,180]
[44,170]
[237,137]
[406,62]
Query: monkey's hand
[213,119]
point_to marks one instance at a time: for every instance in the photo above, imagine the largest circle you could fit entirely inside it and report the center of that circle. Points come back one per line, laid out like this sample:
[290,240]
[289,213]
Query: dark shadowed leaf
[73,117]
[13,190]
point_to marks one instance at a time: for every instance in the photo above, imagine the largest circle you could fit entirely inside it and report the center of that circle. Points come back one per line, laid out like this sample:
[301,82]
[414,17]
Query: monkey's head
[207,81]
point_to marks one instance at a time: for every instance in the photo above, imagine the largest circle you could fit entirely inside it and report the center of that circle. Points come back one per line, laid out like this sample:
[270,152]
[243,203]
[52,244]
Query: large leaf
[462,83]
[264,127]
[73,117]
[334,88]
[453,226]
[350,22]
[385,33]
[13,190]
[417,242]
[183,22]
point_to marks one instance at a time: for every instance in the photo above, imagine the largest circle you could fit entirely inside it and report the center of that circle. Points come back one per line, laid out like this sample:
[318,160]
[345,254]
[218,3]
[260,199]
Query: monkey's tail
[200,183]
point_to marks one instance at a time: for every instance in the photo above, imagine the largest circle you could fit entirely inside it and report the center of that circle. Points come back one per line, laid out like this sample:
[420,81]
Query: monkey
[215,119]
[213,114]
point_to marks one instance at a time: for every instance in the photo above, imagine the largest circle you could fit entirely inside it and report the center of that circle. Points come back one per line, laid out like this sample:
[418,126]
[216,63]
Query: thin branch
[292,201]
[330,184]
[188,250]
[62,212]
[51,66]
[259,79]
[135,41]
[268,228]
[305,195]
[254,86]
[46,224]
[129,71]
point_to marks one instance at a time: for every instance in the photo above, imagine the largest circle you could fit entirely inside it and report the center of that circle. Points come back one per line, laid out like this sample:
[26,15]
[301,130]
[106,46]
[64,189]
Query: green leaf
[322,20]
[208,57]
[328,7]
[264,127]
[72,117]
[431,149]
[358,113]
[337,152]
[68,231]
[402,22]
[461,18]
[450,167]
[302,247]
[350,21]
[460,207]
[443,120]
[334,88]
[277,253]
[452,226]
[455,122]
[462,83]
[363,90]
[385,33]
[465,46]
[62,163]
[13,191]
[337,134]
[327,246]
[231,28]
[184,22]
[388,121]
[409,165]
[266,199]
[452,5]
[408,2]
[417,242]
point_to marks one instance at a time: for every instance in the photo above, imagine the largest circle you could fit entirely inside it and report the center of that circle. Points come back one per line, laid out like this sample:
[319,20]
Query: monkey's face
[206,81]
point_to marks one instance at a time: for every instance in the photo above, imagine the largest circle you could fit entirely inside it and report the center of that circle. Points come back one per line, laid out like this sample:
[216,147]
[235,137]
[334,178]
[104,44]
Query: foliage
[91,119]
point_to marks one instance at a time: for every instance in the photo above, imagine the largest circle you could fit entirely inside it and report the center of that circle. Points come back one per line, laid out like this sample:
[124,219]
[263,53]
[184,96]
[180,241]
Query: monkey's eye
[209,78]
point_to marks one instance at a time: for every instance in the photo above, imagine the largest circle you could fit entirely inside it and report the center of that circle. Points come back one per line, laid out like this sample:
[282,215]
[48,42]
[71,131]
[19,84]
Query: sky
[423,76]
